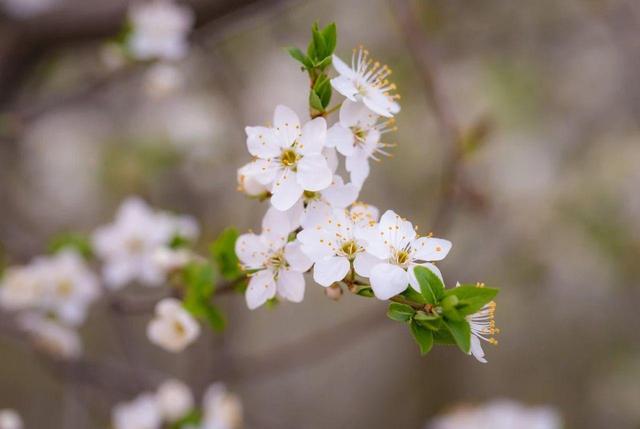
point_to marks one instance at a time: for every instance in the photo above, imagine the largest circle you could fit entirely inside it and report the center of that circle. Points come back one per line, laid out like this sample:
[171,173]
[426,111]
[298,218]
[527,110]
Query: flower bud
[333,292]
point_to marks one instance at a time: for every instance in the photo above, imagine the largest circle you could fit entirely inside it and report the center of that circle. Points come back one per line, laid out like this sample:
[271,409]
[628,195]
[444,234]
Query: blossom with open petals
[289,158]
[141,413]
[9,419]
[51,337]
[357,136]
[395,242]
[366,80]
[483,328]
[277,265]
[221,409]
[174,399]
[173,328]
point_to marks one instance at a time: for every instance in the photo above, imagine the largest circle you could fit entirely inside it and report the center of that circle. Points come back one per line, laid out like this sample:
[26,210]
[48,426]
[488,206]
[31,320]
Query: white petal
[388,280]
[313,173]
[331,270]
[364,262]
[317,212]
[380,103]
[341,138]
[345,87]
[262,142]
[314,135]
[296,258]
[117,273]
[374,242]
[430,249]
[331,156]
[286,191]
[278,224]
[340,195]
[356,114]
[287,125]
[413,281]
[262,170]
[358,166]
[291,285]
[476,349]
[262,287]
[315,244]
[251,251]
[342,68]
[396,230]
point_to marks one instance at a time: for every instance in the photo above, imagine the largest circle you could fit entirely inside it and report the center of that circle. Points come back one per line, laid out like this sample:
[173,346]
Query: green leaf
[414,296]
[214,316]
[423,337]
[71,241]
[199,279]
[193,418]
[318,42]
[430,284]
[461,333]
[429,321]
[314,101]
[299,56]
[329,34]
[471,297]
[443,336]
[224,254]
[322,88]
[400,312]
[366,292]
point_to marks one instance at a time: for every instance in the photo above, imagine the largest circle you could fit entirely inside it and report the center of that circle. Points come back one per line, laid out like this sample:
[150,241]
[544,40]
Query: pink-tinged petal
[296,259]
[291,285]
[342,68]
[356,114]
[388,280]
[251,250]
[339,195]
[430,249]
[313,173]
[286,124]
[330,270]
[340,138]
[262,287]
[286,191]
[345,86]
[262,142]
[314,135]
[358,166]
[364,263]
[413,281]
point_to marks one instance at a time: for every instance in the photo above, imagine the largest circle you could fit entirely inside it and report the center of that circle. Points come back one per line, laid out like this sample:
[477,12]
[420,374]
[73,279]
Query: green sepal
[422,336]
[461,333]
[366,292]
[400,312]
[431,286]
[224,254]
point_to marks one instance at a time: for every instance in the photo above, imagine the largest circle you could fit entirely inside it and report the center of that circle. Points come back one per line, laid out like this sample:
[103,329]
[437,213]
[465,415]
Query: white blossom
[10,419]
[163,79]
[128,245]
[366,80]
[53,338]
[23,9]
[277,265]
[173,328]
[357,136]
[289,158]
[248,183]
[174,399]
[336,243]
[20,288]
[500,414]
[141,413]
[399,248]
[159,29]
[483,327]
[221,409]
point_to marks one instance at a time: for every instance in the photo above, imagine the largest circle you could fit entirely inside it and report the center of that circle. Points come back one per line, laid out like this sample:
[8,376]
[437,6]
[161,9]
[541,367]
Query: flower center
[402,257]
[135,245]
[65,288]
[277,261]
[289,157]
[310,195]
[350,248]
[179,328]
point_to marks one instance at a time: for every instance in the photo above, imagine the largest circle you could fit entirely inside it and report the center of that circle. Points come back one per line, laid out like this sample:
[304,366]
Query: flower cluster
[173,404]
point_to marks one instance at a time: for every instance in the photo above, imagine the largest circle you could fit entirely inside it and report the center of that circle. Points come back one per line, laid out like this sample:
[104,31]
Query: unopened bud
[333,292]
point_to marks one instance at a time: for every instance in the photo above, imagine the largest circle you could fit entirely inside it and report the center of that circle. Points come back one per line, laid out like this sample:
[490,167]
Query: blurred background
[543,201]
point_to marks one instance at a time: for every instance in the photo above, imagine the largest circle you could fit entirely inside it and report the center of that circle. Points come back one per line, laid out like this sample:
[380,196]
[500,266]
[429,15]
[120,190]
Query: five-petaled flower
[399,248]
[366,80]
[289,158]
[173,328]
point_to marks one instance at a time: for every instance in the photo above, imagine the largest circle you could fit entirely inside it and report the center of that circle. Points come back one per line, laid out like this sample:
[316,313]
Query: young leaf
[414,296]
[430,284]
[73,241]
[297,55]
[429,321]
[400,312]
[314,101]
[329,34]
[318,41]
[461,333]
[224,254]
[472,298]
[214,316]
[423,337]
[443,336]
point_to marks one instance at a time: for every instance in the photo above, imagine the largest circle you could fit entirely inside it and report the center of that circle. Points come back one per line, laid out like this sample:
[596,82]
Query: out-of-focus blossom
[501,414]
[53,338]
[128,246]
[162,79]
[175,400]
[221,409]
[160,30]
[141,413]
[10,419]
[173,328]
[248,184]
[23,9]
[169,259]
[366,81]
[20,288]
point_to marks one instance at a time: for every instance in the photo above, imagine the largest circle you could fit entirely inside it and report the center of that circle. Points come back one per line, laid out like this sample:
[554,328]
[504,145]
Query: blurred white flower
[248,184]
[483,327]
[173,328]
[288,157]
[128,246]
[169,259]
[160,29]
[399,249]
[20,288]
[23,9]
[501,414]
[162,79]
[366,80]
[141,413]
[174,399]
[357,136]
[221,409]
[280,264]
[336,243]
[53,338]
[9,419]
